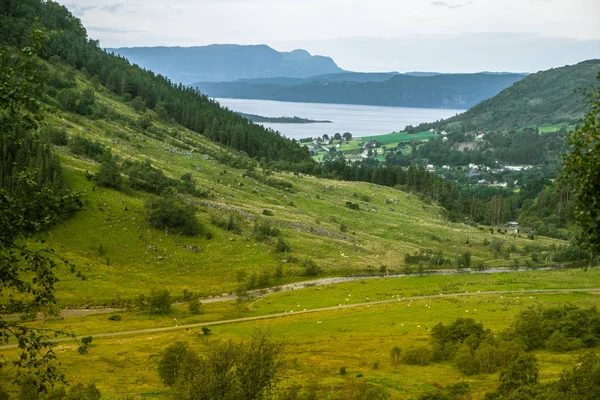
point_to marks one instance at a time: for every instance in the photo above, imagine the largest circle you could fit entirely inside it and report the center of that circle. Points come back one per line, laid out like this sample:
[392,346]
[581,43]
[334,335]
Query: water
[358,120]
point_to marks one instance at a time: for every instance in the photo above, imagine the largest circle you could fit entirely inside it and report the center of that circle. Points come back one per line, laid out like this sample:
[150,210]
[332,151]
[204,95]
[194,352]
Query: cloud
[450,5]
[106,29]
[112,8]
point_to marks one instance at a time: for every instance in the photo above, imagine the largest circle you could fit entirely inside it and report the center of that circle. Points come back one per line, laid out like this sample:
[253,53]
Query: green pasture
[399,137]
[319,344]
[110,241]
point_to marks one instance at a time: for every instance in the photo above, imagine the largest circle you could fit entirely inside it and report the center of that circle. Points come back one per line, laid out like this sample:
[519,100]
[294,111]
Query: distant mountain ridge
[226,62]
[459,91]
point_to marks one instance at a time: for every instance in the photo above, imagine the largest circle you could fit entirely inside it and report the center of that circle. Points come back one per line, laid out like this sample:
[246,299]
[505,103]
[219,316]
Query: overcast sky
[365,35]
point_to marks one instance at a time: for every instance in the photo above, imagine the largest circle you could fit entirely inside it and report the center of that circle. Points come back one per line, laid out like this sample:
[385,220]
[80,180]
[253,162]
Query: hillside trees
[32,198]
[144,89]
[582,165]
[228,370]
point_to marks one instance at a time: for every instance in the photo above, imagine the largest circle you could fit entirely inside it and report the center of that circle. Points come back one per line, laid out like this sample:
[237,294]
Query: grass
[135,258]
[317,345]
[399,137]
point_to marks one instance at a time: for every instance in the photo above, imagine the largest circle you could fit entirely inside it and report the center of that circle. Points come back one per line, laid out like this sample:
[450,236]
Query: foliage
[558,328]
[310,268]
[32,198]
[229,370]
[194,307]
[582,166]
[171,362]
[263,230]
[418,355]
[158,302]
[166,213]
[542,98]
[109,174]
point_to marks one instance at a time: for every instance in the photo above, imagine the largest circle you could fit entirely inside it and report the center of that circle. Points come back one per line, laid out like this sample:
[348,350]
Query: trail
[315,310]
[82,312]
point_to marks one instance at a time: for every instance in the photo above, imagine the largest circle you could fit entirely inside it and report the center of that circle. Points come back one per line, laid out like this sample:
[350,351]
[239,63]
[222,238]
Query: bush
[165,213]
[109,174]
[143,176]
[115,317]
[159,302]
[351,205]
[170,362]
[268,212]
[86,147]
[282,246]
[56,136]
[419,355]
[194,307]
[263,229]
[310,268]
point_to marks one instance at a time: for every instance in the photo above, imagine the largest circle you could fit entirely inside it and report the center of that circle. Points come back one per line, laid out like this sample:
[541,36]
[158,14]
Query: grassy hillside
[110,238]
[544,98]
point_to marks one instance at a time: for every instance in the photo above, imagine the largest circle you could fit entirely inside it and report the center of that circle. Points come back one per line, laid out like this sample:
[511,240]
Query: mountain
[544,98]
[226,62]
[336,77]
[430,91]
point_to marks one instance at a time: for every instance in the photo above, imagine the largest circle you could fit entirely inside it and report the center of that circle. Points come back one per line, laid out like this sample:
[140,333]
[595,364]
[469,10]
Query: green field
[110,241]
[319,344]
[399,137]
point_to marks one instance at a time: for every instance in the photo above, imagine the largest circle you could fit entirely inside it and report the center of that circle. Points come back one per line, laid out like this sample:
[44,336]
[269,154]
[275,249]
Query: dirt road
[316,310]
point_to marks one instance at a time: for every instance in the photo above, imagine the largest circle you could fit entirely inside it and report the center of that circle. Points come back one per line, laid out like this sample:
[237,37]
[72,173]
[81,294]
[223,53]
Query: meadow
[110,240]
[319,344]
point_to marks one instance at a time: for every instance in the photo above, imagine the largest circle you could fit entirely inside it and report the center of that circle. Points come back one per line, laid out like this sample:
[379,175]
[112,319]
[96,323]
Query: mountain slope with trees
[459,91]
[544,98]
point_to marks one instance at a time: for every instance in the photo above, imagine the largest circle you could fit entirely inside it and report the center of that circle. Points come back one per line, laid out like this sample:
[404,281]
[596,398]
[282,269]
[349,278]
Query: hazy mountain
[432,91]
[227,62]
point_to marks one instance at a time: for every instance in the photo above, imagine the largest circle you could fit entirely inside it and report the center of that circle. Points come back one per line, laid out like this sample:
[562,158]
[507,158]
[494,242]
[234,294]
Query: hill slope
[227,62]
[544,98]
[459,91]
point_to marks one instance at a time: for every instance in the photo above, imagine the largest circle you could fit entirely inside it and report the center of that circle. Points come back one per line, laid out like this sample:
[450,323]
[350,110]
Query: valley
[157,244]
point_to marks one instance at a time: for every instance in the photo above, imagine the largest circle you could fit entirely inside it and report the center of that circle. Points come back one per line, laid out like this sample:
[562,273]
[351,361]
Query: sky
[365,35]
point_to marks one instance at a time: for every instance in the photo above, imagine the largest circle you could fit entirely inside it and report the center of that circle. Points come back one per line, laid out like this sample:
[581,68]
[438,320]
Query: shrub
[115,317]
[419,355]
[263,229]
[171,361]
[109,174]
[159,302]
[194,307]
[86,147]
[268,212]
[143,176]
[53,135]
[310,268]
[351,205]
[282,246]
[165,213]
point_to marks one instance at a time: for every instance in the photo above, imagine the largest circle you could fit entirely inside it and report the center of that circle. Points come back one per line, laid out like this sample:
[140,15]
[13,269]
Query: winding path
[316,310]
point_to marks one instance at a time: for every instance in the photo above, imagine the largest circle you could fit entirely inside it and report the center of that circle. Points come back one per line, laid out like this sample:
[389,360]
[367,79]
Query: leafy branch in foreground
[582,165]
[32,198]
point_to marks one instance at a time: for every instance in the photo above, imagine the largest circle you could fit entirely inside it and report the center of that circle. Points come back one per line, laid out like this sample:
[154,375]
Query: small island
[283,120]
